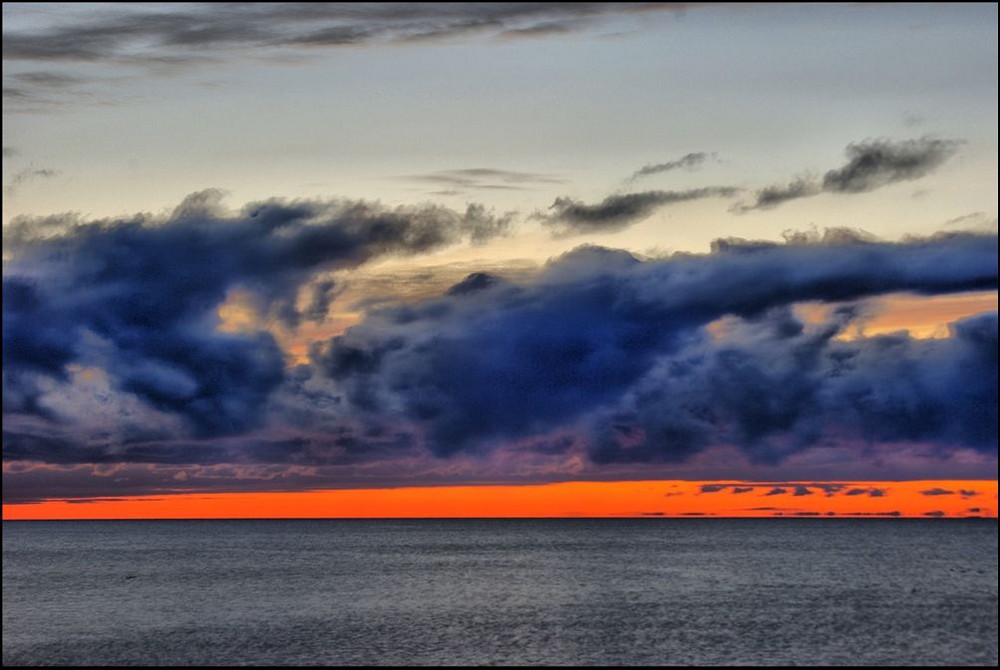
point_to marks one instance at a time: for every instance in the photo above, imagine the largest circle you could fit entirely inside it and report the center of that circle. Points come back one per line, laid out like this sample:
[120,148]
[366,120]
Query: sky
[457,259]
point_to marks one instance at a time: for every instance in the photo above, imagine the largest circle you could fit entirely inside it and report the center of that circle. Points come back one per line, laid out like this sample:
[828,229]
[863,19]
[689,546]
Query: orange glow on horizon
[936,498]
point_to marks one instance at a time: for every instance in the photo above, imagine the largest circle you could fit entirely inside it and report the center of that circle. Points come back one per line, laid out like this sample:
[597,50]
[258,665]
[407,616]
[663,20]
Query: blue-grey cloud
[137,297]
[600,346]
[606,338]
[871,164]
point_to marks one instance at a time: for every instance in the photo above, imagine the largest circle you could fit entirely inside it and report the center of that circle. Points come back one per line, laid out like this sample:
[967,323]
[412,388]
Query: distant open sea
[538,592]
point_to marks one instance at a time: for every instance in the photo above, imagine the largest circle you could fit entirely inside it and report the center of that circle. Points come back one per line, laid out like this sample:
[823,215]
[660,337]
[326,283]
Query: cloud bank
[614,360]
[137,298]
[620,345]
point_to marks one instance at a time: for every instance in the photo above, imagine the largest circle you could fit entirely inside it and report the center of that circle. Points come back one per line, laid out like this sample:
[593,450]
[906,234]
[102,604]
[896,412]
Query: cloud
[485,179]
[870,492]
[772,196]
[871,164]
[602,337]
[616,212]
[136,297]
[37,89]
[604,355]
[166,38]
[10,152]
[26,175]
[171,31]
[876,163]
[976,221]
[797,489]
[776,491]
[937,491]
[687,161]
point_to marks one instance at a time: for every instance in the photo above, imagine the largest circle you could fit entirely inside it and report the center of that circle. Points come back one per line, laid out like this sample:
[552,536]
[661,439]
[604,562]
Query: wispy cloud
[172,36]
[26,175]
[688,161]
[471,179]
[130,32]
[568,217]
[871,164]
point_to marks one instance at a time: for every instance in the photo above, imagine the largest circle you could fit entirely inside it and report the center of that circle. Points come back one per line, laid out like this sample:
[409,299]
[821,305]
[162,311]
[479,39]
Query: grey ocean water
[552,592]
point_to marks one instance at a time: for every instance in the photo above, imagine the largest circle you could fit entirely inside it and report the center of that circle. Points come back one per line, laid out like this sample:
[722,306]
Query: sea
[501,592]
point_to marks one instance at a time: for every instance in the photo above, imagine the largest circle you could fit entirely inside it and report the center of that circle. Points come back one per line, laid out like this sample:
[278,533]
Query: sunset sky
[632,259]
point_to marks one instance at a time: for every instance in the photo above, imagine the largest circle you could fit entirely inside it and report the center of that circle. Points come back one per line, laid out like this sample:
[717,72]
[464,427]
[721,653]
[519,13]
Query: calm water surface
[552,592]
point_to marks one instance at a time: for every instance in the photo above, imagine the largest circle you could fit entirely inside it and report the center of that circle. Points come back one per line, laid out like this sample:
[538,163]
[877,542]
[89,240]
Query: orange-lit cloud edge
[853,499]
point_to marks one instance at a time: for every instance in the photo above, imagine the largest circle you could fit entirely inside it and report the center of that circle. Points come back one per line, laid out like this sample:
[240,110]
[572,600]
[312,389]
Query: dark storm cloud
[600,346]
[569,217]
[603,331]
[337,447]
[687,161]
[871,164]
[137,297]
